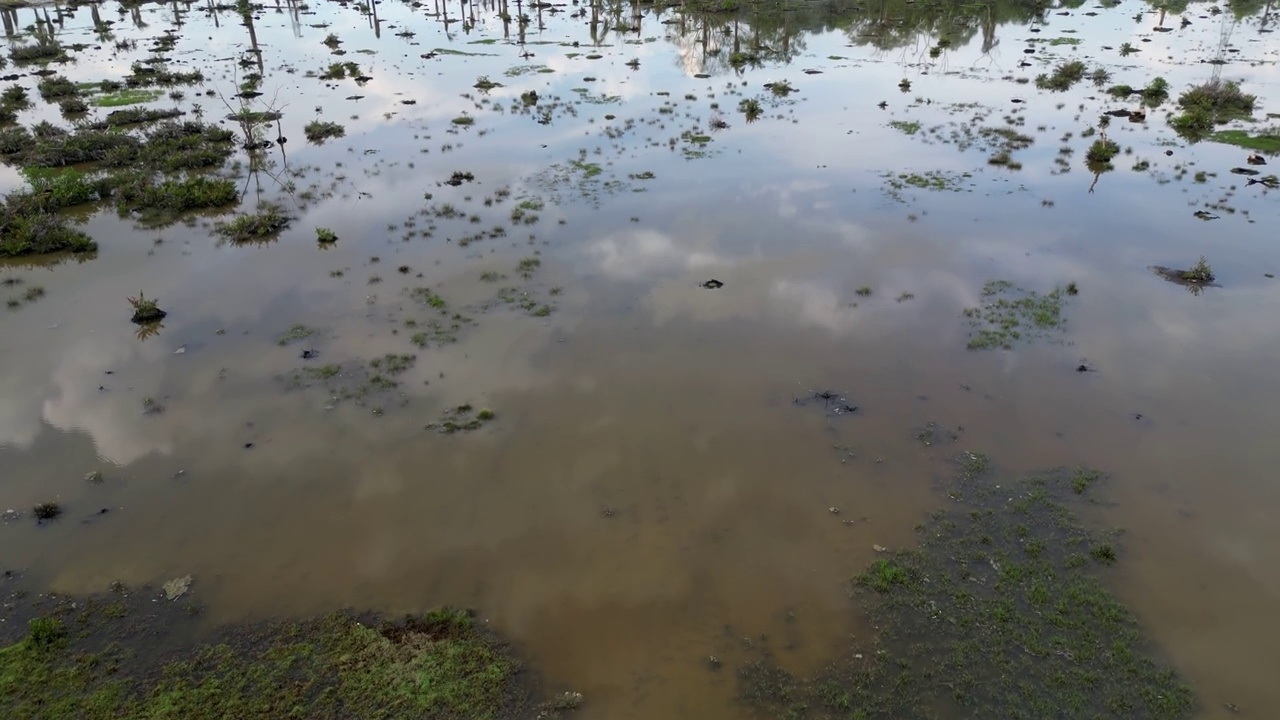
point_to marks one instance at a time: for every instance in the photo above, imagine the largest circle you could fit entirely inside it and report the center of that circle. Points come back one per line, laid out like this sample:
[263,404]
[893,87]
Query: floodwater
[649,493]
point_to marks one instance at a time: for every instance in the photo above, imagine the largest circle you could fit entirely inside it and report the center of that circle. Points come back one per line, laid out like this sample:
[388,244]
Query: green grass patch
[1208,105]
[999,613]
[174,196]
[42,50]
[39,233]
[56,87]
[1063,77]
[318,131]
[1009,314]
[134,116]
[259,227]
[906,127]
[439,665]
[1102,151]
[1266,141]
[130,96]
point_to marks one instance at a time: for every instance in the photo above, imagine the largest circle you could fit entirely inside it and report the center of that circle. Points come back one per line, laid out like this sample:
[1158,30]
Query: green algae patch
[1265,142]
[130,96]
[437,665]
[1000,612]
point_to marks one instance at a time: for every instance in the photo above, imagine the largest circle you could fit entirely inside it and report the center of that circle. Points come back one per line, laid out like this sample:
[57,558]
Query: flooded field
[642,329]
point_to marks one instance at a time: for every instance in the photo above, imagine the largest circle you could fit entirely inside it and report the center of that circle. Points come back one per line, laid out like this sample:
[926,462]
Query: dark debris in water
[832,402]
[711,284]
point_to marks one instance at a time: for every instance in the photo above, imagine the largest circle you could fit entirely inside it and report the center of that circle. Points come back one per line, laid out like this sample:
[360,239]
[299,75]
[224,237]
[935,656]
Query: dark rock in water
[1249,172]
[309,354]
[248,94]
[1119,113]
[1082,368]
[711,284]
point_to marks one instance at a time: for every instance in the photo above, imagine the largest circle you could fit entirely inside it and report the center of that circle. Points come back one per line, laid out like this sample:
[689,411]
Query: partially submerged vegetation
[1102,151]
[28,226]
[1009,314]
[1211,104]
[1064,76]
[258,227]
[438,665]
[1154,94]
[1265,141]
[318,131]
[999,613]
[146,310]
[463,418]
[1195,278]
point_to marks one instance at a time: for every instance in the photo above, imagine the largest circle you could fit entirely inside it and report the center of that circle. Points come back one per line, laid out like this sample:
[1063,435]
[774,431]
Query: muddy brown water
[649,495]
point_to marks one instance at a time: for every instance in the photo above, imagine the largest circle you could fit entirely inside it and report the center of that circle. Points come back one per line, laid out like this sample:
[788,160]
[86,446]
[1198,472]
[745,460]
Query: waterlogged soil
[438,330]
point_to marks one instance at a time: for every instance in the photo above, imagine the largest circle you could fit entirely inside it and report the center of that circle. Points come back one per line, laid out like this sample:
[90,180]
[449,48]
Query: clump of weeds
[111,667]
[781,89]
[1208,105]
[318,131]
[1009,314]
[72,107]
[1102,151]
[1063,77]
[263,226]
[47,512]
[1195,278]
[325,236]
[145,310]
[157,202]
[27,229]
[42,50]
[527,266]
[999,612]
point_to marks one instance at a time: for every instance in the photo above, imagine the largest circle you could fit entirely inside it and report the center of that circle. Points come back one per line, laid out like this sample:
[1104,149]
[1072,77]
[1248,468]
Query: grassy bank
[118,659]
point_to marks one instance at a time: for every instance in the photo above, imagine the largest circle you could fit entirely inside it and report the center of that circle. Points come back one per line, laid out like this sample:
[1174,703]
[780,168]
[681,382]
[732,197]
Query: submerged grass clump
[43,49]
[26,232]
[441,664]
[998,614]
[1063,77]
[261,226]
[1102,151]
[1009,314]
[1264,141]
[171,196]
[318,131]
[146,310]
